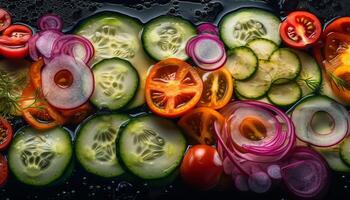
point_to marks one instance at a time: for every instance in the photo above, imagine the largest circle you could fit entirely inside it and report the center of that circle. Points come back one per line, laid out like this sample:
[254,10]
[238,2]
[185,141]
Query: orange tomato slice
[173,87]
[199,125]
[218,88]
[343,92]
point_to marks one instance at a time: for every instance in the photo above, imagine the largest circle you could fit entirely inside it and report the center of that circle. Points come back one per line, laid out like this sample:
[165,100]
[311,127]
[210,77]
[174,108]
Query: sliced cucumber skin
[334,159]
[187,26]
[132,91]
[345,151]
[80,144]
[249,13]
[60,176]
[290,85]
[123,154]
[256,45]
[242,52]
[309,68]
[132,27]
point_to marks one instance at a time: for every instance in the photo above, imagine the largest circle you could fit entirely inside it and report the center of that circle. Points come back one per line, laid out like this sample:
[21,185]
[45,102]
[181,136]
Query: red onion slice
[259,182]
[75,46]
[274,171]
[50,22]
[44,43]
[33,51]
[67,83]
[208,28]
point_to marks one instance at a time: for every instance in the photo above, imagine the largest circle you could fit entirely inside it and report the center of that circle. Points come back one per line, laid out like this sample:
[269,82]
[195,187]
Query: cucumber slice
[95,144]
[258,85]
[262,48]
[40,158]
[116,83]
[345,151]
[333,158]
[286,66]
[320,121]
[116,35]
[151,147]
[310,76]
[167,36]
[264,99]
[240,27]
[242,63]
[284,95]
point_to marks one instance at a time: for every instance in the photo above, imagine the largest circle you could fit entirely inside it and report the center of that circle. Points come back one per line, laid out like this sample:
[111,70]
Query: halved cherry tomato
[5,19]
[340,25]
[37,112]
[343,92]
[335,44]
[201,167]
[218,88]
[173,87]
[300,29]
[77,115]
[18,32]
[4,170]
[13,43]
[6,133]
[14,52]
[199,125]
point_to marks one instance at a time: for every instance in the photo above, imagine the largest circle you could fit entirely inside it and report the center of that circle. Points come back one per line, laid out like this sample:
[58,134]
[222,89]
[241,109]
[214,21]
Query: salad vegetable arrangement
[243,99]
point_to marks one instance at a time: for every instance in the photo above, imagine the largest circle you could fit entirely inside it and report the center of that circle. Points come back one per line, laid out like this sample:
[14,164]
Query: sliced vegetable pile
[244,102]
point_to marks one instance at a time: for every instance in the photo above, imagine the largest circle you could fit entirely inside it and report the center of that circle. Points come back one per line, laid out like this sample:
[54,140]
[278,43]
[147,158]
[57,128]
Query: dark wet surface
[84,186]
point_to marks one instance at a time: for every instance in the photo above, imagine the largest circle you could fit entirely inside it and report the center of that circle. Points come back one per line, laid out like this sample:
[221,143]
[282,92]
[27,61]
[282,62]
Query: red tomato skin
[201,167]
[4,170]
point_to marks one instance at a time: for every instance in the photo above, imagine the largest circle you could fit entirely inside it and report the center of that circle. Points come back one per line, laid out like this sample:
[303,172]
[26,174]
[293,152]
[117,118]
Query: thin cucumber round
[242,63]
[333,158]
[345,151]
[95,144]
[285,65]
[40,158]
[244,25]
[284,95]
[167,36]
[310,76]
[151,147]
[116,35]
[263,48]
[256,86]
[116,83]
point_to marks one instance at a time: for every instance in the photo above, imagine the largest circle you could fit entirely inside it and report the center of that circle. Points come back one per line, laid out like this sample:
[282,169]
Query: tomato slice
[218,88]
[173,87]
[300,29]
[6,133]
[201,167]
[340,25]
[77,115]
[335,44]
[342,91]
[18,32]
[199,125]
[35,73]
[37,112]
[13,43]
[5,19]
[4,170]
[14,52]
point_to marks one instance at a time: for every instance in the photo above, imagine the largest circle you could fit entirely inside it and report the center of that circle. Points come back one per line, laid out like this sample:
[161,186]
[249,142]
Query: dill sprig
[339,83]
[311,83]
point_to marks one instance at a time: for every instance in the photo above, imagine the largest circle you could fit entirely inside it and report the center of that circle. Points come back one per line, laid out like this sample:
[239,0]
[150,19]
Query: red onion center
[63,78]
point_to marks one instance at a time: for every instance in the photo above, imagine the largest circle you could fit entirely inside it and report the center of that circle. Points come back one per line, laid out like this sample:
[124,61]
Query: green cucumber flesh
[151,147]
[95,144]
[333,158]
[40,158]
[263,48]
[116,83]
[167,36]
[345,150]
[241,62]
[116,35]
[285,94]
[244,25]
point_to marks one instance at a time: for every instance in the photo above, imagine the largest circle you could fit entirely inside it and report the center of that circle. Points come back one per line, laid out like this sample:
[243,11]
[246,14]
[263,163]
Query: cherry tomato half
[18,32]
[4,170]
[5,19]
[300,29]
[13,42]
[6,133]
[340,25]
[201,167]
[173,87]
[218,88]
[198,124]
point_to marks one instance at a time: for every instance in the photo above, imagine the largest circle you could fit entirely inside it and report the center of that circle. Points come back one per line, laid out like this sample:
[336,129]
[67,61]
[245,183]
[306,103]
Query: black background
[84,186]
